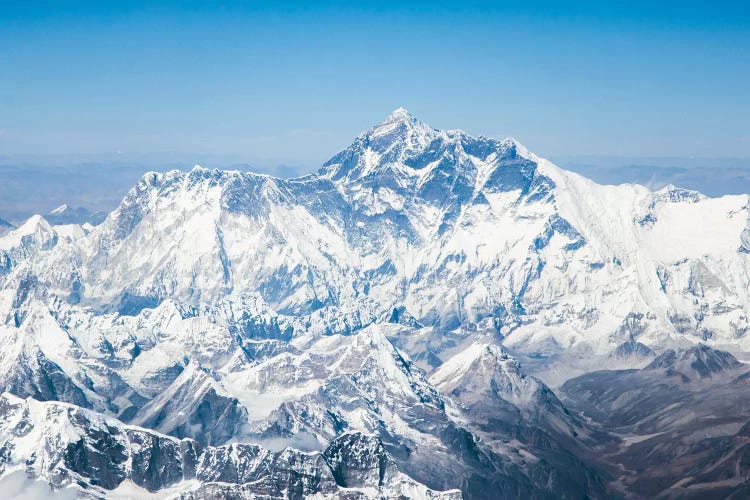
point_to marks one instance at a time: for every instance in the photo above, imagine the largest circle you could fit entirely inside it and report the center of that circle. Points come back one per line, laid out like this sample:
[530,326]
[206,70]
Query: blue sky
[266,84]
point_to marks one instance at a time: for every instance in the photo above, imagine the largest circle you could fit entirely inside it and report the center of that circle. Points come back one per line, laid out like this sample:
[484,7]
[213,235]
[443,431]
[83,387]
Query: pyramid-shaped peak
[401,124]
[701,359]
[512,144]
[399,115]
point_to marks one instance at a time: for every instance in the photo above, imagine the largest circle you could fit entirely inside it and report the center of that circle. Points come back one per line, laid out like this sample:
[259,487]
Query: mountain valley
[430,315]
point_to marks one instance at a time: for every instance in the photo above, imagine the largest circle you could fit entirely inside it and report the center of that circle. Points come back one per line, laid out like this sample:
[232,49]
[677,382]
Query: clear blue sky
[295,84]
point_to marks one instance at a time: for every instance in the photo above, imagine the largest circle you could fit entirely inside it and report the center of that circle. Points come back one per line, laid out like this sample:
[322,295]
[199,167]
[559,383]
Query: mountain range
[430,315]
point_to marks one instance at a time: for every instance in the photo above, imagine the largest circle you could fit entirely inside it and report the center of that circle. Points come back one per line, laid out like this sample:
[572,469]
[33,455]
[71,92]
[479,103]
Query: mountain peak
[701,359]
[511,143]
[5,226]
[35,231]
[407,148]
[399,122]
[399,114]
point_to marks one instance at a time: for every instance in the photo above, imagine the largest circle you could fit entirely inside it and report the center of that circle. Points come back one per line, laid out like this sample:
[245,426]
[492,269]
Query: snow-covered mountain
[65,214]
[458,231]
[372,297]
[74,449]
[5,227]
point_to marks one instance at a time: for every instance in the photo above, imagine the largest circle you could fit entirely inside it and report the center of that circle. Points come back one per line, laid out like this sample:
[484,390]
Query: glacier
[413,304]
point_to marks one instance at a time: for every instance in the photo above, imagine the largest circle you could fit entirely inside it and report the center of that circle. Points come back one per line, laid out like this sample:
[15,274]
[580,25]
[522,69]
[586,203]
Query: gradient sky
[296,84]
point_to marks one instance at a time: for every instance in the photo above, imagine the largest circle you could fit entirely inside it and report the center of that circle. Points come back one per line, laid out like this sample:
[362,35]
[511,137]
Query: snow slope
[225,306]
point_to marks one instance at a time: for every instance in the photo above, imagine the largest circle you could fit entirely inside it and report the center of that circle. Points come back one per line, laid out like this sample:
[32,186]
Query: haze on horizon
[292,85]
[435,313]
[93,94]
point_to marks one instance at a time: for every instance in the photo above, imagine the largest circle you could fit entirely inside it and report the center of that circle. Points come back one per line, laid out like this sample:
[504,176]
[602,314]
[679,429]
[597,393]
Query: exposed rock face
[66,446]
[632,349]
[700,361]
[350,322]
[358,461]
[5,227]
[683,419]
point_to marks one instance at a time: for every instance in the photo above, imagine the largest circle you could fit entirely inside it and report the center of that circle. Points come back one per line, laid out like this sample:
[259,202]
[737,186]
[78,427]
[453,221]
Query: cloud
[17,484]
[301,441]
